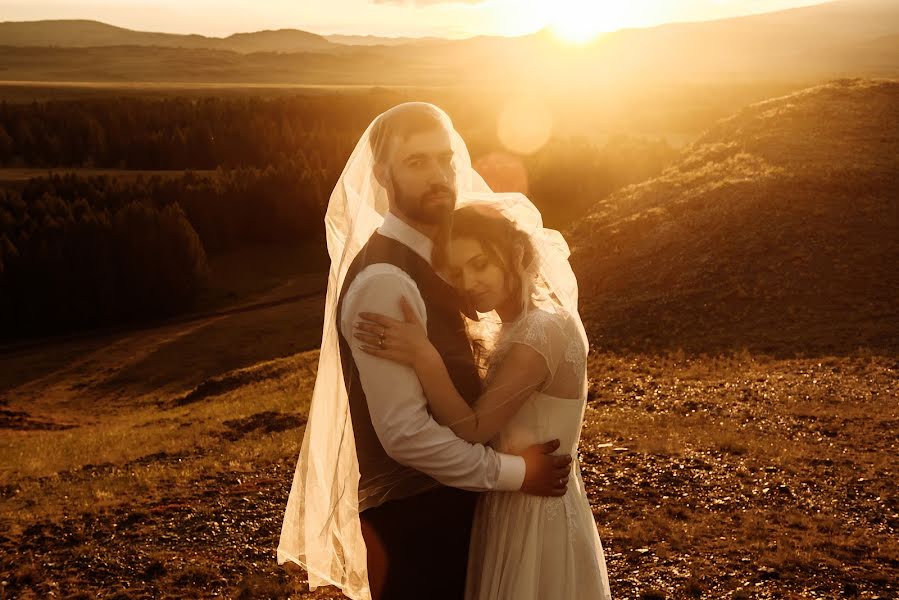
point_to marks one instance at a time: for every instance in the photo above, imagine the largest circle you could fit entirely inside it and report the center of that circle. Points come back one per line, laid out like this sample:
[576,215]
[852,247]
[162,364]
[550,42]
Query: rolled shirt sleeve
[397,404]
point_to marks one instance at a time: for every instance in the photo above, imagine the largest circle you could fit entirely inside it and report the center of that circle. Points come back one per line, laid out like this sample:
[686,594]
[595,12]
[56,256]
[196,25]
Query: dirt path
[58,377]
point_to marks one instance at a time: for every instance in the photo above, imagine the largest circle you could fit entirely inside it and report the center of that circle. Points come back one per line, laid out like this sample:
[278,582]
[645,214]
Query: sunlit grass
[66,471]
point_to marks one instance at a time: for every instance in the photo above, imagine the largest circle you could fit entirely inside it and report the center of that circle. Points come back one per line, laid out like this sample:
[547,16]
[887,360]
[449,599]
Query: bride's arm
[521,372]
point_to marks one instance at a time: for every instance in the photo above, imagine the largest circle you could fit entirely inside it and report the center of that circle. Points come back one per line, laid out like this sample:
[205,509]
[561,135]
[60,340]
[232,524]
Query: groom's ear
[383,177]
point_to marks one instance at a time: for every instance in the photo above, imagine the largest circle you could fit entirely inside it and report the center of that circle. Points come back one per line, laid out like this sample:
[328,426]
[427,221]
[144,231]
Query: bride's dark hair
[505,245]
[499,237]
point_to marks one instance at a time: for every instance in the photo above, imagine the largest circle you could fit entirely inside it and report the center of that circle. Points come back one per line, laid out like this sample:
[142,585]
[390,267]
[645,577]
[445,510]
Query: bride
[516,275]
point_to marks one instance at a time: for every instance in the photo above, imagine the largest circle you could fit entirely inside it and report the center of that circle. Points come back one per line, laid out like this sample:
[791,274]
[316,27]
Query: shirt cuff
[511,473]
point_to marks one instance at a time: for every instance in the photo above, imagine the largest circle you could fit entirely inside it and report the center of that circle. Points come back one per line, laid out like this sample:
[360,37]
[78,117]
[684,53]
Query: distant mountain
[797,41]
[813,43]
[85,34]
[777,230]
[281,40]
[374,40]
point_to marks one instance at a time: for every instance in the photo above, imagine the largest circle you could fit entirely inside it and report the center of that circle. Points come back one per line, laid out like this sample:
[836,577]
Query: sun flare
[581,21]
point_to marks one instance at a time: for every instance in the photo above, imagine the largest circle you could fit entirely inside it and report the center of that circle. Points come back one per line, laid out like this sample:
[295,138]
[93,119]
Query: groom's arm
[397,403]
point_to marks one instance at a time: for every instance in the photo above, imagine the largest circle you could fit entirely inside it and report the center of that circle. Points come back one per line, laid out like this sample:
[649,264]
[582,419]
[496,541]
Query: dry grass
[46,466]
[722,476]
[746,472]
[776,230]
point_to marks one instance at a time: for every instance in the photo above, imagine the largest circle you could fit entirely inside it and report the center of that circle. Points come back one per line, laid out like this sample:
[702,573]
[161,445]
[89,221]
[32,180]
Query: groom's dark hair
[400,122]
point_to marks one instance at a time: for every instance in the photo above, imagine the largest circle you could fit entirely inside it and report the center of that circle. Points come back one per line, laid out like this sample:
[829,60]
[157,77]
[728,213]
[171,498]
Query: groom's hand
[545,474]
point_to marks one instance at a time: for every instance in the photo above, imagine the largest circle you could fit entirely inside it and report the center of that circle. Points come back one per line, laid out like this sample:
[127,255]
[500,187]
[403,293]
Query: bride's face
[476,274]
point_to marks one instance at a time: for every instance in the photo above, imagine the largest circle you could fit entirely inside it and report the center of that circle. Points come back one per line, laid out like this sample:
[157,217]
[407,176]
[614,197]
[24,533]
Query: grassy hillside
[777,230]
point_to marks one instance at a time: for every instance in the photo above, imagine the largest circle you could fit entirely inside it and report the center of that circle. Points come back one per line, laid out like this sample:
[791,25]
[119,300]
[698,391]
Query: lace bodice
[556,337]
[555,410]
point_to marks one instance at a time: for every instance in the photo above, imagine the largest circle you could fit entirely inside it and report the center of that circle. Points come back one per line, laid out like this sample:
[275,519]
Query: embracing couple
[451,388]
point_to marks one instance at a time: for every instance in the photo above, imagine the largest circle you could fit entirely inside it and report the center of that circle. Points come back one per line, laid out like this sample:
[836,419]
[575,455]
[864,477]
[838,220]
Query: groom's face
[422,175]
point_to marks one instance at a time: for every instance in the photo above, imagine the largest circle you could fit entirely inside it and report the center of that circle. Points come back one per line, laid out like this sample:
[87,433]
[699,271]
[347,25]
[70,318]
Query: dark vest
[381,477]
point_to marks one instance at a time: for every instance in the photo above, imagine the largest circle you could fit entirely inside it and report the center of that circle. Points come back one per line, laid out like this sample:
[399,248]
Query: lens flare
[525,125]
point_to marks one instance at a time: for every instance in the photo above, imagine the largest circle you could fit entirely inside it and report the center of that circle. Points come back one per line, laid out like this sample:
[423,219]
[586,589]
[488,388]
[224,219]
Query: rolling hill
[86,34]
[838,39]
[777,230]
[375,40]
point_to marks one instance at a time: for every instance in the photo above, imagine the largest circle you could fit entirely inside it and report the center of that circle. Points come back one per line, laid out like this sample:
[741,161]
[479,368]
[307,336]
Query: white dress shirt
[396,402]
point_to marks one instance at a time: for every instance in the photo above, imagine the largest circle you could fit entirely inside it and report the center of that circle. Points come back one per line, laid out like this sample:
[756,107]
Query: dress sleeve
[542,331]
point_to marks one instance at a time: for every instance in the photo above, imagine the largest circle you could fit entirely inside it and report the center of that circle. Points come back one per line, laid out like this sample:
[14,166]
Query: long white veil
[321,530]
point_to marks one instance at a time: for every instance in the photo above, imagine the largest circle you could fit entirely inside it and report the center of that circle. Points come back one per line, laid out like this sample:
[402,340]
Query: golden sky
[573,19]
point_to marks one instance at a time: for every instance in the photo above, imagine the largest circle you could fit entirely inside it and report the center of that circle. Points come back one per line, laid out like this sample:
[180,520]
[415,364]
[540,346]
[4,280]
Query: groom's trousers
[418,546]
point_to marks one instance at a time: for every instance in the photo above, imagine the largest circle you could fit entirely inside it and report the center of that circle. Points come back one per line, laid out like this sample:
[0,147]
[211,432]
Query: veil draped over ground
[321,530]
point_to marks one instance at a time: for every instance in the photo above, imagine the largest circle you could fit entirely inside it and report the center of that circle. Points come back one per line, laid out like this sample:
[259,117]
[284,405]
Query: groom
[418,481]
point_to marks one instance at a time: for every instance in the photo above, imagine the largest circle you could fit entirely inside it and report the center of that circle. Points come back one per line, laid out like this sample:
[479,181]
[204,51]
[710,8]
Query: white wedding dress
[527,547]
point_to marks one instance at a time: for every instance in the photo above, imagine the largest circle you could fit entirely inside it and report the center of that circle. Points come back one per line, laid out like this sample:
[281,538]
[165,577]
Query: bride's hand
[404,341]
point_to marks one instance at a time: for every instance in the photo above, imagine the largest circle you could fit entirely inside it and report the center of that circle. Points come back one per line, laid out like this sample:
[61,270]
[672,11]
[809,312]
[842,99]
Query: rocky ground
[710,477]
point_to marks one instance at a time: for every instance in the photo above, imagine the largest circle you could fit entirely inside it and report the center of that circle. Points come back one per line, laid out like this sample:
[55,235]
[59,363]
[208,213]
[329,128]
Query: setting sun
[580,21]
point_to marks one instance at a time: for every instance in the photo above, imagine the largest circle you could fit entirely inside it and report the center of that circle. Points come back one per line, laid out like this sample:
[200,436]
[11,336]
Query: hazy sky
[459,18]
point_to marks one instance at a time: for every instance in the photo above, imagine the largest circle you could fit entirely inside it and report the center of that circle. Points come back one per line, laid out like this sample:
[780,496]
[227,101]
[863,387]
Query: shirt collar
[404,233]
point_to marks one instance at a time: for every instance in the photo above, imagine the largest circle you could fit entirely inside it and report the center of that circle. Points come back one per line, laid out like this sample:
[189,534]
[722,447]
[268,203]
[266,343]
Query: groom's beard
[425,209]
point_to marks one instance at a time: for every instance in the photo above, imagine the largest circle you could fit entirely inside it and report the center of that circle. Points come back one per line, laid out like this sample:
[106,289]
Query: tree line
[176,133]
[89,251]
[79,251]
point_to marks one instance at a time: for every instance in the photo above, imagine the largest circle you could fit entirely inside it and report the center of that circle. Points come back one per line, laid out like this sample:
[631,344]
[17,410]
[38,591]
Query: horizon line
[414,37]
